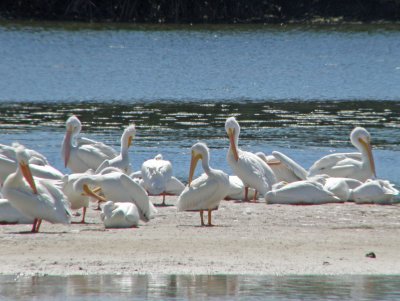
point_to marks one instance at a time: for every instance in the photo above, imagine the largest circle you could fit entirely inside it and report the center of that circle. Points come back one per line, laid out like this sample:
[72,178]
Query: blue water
[201,287]
[296,89]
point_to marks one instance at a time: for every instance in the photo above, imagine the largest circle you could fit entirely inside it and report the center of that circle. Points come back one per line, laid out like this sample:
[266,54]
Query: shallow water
[296,89]
[201,287]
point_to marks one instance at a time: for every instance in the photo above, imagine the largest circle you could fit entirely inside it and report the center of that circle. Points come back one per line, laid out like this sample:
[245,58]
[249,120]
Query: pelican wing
[139,197]
[200,195]
[298,170]
[105,149]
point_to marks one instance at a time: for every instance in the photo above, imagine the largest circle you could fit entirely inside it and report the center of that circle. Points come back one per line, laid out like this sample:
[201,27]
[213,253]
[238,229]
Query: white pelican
[34,156]
[117,187]
[10,215]
[301,193]
[36,198]
[207,191]
[76,198]
[284,168]
[340,187]
[119,215]
[253,171]
[156,174]
[374,191]
[349,165]
[81,154]
[122,160]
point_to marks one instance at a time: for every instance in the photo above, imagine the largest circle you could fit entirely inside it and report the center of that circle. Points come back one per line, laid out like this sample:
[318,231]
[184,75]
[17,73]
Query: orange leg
[83,215]
[34,225]
[209,218]
[255,196]
[246,194]
[201,217]
[38,225]
[163,200]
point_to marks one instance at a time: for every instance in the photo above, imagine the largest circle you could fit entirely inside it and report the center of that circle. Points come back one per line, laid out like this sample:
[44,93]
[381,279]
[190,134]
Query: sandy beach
[247,239]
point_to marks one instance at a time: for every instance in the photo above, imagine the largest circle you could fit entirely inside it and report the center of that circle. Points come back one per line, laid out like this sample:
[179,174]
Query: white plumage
[122,160]
[81,154]
[374,191]
[207,191]
[118,187]
[253,171]
[360,166]
[119,215]
[34,197]
[10,215]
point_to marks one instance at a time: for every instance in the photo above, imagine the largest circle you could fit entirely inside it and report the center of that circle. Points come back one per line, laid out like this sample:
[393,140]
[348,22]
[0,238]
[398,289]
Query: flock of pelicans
[33,190]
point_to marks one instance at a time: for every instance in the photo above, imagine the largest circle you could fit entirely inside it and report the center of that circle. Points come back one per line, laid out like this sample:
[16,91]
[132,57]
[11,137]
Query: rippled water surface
[186,287]
[299,90]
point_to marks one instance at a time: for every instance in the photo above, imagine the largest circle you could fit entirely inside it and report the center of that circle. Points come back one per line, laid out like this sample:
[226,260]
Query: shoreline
[248,239]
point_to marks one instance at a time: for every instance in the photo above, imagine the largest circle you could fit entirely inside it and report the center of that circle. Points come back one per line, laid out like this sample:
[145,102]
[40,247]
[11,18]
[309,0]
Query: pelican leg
[163,200]
[209,218]
[83,215]
[255,196]
[98,206]
[201,217]
[39,222]
[34,225]
[246,193]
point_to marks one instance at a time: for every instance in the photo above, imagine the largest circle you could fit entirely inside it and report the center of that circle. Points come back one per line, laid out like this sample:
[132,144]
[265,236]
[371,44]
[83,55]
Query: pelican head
[233,130]
[199,151]
[73,126]
[128,135]
[361,139]
[23,161]
[82,186]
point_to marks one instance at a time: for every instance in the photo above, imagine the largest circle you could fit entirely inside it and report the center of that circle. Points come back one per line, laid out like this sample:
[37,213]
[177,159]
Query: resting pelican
[300,193]
[156,174]
[374,191]
[284,168]
[207,191]
[119,215]
[253,171]
[81,154]
[349,165]
[10,215]
[117,187]
[122,160]
[35,198]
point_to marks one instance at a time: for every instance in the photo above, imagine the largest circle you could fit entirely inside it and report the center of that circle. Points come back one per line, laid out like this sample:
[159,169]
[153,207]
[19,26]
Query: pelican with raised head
[251,169]
[359,166]
[206,192]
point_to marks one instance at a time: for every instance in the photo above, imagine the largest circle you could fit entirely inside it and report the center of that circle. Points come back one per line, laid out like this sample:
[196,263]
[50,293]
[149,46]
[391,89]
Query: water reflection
[200,287]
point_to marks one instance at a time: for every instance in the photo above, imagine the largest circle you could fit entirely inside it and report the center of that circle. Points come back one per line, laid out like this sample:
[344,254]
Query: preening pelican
[34,197]
[253,171]
[76,198]
[117,187]
[10,215]
[301,193]
[122,160]
[374,191]
[81,154]
[284,168]
[207,191]
[349,165]
[119,215]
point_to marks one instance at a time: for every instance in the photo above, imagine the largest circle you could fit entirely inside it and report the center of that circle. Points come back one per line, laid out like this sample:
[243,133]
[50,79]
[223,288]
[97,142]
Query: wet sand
[247,239]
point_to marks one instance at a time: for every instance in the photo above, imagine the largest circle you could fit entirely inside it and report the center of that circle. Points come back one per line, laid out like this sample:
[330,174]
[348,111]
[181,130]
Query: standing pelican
[35,198]
[253,171]
[117,187]
[81,154]
[122,160]
[207,191]
[349,165]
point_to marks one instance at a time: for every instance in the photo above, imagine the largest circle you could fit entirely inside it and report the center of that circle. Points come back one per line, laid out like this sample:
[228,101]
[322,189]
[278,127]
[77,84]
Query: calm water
[186,287]
[299,90]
